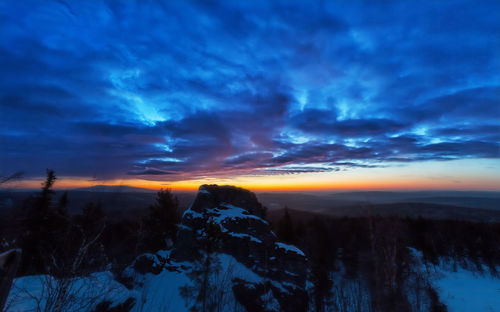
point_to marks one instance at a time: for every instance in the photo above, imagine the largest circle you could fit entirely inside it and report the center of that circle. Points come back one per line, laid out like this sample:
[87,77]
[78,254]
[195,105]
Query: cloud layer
[178,90]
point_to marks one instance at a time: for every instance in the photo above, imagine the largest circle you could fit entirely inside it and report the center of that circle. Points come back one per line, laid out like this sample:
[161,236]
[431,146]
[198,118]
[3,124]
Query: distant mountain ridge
[330,201]
[114,188]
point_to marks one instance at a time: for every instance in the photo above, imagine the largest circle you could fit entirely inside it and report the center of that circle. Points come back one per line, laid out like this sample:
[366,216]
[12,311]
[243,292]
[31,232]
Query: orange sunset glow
[405,177]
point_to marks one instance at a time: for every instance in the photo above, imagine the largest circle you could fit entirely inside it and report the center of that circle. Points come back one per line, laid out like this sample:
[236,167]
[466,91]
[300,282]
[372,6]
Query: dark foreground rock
[247,237]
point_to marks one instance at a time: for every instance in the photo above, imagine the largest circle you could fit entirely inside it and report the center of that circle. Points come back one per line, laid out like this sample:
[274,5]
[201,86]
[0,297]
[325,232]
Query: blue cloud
[192,88]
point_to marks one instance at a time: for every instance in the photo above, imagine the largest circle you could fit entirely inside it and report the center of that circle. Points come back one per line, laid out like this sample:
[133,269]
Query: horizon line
[256,189]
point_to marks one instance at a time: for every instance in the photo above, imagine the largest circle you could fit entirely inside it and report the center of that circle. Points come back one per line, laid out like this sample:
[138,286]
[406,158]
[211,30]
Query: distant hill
[114,188]
[470,199]
[472,206]
[469,202]
[323,201]
[412,210]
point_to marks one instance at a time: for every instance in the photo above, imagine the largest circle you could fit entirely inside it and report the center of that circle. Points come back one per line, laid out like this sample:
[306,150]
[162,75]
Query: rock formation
[247,237]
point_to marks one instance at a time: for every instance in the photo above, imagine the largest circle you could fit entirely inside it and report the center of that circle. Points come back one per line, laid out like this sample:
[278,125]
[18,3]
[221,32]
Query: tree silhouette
[286,231]
[44,227]
[160,225]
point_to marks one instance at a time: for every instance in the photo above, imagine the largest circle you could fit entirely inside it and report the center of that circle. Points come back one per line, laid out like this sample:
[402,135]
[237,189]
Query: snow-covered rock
[278,270]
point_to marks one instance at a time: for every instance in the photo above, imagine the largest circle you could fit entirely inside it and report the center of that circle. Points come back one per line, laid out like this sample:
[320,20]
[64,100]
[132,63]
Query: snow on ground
[271,303]
[162,292]
[28,292]
[461,290]
[239,270]
[464,291]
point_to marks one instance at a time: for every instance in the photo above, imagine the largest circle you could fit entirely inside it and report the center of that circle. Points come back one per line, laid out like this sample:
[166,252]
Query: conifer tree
[286,231]
[43,228]
[160,225]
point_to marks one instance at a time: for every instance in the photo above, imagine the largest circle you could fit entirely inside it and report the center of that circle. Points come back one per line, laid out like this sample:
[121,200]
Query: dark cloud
[455,149]
[323,122]
[292,170]
[180,89]
[150,171]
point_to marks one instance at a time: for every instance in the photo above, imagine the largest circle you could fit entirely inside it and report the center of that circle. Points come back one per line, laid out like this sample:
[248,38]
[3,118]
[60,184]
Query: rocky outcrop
[247,237]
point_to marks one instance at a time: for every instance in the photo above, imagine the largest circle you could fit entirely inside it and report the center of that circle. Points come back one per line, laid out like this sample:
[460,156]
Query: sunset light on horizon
[421,176]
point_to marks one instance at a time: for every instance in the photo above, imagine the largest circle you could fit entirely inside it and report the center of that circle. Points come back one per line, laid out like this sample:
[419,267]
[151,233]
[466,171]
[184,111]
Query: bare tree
[205,275]
[385,249]
[13,177]
[69,286]
[45,293]
[349,295]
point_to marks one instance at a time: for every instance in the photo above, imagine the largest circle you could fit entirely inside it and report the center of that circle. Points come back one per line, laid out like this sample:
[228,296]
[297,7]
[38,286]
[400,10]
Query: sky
[261,94]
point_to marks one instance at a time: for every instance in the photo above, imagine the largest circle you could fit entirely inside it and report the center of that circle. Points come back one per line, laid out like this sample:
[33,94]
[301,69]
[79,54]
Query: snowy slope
[464,291]
[162,292]
[84,293]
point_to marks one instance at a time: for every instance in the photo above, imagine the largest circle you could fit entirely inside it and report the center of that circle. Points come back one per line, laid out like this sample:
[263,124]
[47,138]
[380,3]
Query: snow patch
[161,292]
[460,289]
[233,213]
[271,303]
[192,214]
[241,235]
[289,248]
[464,290]
[28,292]
[184,227]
